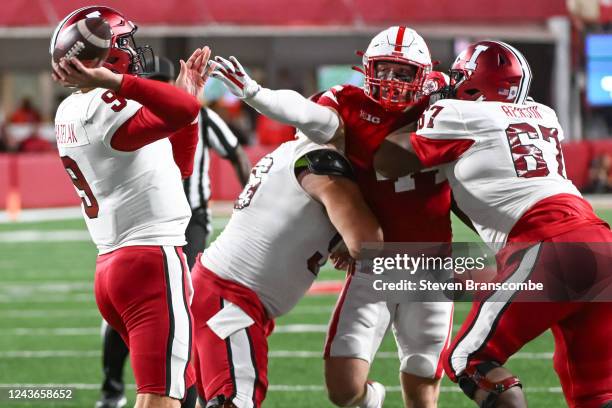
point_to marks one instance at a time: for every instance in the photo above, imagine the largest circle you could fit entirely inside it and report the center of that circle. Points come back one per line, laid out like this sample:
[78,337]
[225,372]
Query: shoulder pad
[326,162]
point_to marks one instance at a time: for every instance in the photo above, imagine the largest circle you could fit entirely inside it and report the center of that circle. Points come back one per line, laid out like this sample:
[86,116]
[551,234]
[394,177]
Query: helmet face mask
[141,58]
[395,66]
[124,56]
[394,83]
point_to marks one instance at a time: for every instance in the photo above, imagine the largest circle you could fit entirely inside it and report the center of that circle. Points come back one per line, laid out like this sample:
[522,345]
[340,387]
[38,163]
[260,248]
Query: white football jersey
[277,237]
[129,198]
[502,159]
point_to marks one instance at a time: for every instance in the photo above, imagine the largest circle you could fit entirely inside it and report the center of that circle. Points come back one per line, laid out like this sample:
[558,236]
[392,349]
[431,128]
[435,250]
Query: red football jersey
[414,208]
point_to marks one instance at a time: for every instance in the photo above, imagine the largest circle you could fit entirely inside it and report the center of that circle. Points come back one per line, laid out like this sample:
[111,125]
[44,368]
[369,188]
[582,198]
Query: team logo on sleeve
[257,174]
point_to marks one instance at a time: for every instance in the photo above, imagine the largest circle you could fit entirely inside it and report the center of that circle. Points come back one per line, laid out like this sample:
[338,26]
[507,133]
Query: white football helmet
[397,45]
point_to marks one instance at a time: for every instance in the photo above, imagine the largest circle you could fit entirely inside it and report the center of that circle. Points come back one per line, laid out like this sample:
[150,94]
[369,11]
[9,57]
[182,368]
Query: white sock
[374,397]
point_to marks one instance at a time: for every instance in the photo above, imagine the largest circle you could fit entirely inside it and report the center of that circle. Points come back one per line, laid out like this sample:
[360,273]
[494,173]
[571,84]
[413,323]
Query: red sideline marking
[325,287]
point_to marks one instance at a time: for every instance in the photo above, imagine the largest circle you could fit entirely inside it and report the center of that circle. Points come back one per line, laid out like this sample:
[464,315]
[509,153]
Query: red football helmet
[490,71]
[124,56]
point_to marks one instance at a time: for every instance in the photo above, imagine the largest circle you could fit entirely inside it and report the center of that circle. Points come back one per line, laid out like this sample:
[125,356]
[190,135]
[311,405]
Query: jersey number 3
[529,160]
[257,174]
[90,204]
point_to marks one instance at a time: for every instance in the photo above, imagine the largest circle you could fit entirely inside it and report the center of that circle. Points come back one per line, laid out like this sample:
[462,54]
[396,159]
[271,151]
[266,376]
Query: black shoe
[111,401]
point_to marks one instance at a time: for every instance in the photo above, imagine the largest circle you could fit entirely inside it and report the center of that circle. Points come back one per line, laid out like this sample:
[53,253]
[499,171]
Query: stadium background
[49,325]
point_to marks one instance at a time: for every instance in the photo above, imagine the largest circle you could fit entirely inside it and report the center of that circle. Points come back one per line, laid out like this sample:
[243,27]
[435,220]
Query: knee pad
[421,365]
[220,402]
[474,378]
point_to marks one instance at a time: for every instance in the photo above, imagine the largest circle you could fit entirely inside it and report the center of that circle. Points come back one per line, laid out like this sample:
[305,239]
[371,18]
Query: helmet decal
[399,39]
[491,71]
[471,64]
[523,89]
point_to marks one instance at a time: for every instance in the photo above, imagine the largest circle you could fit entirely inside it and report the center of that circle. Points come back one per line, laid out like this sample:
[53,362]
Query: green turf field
[49,330]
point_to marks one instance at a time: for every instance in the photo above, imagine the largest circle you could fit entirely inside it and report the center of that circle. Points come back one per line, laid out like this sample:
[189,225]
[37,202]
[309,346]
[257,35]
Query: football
[88,40]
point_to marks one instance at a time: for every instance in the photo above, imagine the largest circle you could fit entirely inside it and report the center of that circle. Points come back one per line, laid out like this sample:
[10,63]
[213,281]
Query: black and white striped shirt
[213,133]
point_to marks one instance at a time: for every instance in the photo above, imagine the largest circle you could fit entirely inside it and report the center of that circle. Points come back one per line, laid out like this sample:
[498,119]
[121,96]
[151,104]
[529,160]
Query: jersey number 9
[90,204]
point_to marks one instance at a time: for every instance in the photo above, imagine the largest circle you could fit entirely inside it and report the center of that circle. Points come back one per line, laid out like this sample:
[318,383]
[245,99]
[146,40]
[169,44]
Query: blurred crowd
[24,130]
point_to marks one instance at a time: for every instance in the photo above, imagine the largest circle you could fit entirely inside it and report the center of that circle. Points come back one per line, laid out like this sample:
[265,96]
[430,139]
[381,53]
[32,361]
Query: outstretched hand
[235,78]
[71,73]
[195,71]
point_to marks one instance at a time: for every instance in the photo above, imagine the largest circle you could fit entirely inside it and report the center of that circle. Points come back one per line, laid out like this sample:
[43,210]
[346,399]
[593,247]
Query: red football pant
[235,367]
[144,292]
[494,331]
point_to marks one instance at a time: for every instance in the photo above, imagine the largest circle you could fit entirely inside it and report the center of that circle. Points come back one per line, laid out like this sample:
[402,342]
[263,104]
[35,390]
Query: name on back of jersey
[69,134]
[529,112]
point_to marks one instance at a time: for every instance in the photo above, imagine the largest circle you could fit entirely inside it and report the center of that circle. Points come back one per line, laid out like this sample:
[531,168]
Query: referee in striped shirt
[216,135]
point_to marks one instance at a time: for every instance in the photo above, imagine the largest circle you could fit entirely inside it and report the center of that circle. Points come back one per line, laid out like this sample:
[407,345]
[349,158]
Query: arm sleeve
[165,109]
[442,136]
[184,143]
[220,137]
[318,123]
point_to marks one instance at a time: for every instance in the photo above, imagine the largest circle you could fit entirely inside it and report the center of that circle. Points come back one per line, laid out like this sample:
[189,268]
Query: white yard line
[72,298]
[273,387]
[272,354]
[87,331]
[50,354]
[44,236]
[21,291]
[47,313]
[218,208]
[602,201]
[44,214]
[63,286]
[61,331]
[84,331]
[300,328]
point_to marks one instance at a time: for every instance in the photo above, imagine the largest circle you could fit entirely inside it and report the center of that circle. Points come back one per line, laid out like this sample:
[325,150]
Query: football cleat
[111,401]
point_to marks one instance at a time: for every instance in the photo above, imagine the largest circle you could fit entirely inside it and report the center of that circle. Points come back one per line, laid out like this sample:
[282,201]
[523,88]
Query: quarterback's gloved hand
[235,78]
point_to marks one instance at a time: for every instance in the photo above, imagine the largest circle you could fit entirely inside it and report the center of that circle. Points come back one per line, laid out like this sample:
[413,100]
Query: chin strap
[360,54]
[358,69]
